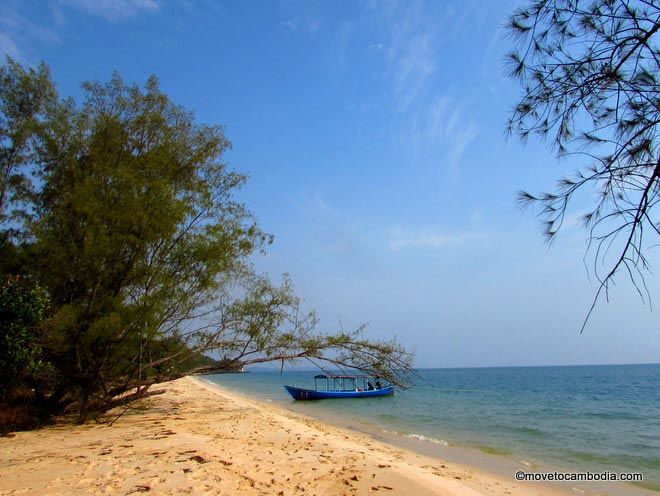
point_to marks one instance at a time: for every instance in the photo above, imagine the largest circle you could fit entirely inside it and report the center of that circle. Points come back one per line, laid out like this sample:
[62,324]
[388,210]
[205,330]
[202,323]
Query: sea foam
[433,440]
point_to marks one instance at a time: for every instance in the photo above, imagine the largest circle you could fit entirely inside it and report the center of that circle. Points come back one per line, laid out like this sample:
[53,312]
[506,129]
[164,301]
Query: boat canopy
[332,376]
[349,382]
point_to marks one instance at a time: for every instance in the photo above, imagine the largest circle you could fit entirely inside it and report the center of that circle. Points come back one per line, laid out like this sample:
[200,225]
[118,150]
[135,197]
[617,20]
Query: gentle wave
[419,437]
[582,417]
[433,440]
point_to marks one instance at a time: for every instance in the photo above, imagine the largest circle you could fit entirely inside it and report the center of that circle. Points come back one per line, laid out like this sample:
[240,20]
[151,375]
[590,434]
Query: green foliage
[589,72]
[24,95]
[268,324]
[132,228]
[14,259]
[22,310]
[173,346]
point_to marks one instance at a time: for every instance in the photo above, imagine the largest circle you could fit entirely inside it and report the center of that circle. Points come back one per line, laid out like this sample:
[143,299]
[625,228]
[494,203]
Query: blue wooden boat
[342,386]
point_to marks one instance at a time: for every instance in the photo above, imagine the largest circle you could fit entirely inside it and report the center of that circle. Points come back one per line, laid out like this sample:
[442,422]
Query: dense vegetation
[126,258]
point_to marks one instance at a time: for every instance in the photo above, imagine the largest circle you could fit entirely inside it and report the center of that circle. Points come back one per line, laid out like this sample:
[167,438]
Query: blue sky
[373,135]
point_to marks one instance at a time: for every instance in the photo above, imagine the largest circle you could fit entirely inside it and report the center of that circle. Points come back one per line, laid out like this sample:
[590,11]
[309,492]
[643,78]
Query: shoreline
[502,422]
[199,438]
[469,459]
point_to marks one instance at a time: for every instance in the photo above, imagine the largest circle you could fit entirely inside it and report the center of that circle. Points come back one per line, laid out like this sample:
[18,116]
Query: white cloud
[430,238]
[290,24]
[440,133]
[301,16]
[18,32]
[341,41]
[410,47]
[113,10]
[459,141]
[321,205]
[314,205]
[411,38]
[9,48]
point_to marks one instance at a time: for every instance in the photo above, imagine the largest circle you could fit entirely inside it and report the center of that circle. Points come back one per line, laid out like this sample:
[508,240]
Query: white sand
[199,439]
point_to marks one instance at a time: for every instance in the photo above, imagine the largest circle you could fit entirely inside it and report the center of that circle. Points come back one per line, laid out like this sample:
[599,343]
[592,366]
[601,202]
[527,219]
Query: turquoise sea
[573,418]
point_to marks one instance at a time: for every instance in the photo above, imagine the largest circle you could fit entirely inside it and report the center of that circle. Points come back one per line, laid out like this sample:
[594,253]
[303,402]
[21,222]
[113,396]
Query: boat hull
[311,394]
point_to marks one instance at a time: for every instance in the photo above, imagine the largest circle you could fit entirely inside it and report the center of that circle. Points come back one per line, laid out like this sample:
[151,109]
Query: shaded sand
[199,439]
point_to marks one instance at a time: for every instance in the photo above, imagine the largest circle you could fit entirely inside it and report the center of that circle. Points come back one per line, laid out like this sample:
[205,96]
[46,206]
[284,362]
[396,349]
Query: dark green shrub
[22,309]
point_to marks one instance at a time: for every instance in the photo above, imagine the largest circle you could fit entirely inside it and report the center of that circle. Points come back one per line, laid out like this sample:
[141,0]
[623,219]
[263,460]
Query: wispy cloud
[18,31]
[362,108]
[307,24]
[341,41]
[434,128]
[461,138]
[440,133]
[304,16]
[113,10]
[321,205]
[333,229]
[290,24]
[314,205]
[410,43]
[8,48]
[430,238]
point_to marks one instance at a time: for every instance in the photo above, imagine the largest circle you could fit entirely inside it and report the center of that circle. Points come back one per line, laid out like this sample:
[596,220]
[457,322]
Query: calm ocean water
[577,418]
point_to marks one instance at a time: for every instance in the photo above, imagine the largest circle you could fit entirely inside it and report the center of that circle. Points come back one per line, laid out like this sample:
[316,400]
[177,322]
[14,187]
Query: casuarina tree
[589,73]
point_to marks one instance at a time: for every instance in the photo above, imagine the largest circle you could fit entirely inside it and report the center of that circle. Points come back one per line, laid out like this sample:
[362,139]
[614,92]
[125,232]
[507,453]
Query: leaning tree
[131,225]
[589,72]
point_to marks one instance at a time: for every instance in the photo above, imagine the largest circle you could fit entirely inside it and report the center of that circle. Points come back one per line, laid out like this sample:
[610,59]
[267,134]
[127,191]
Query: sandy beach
[200,439]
